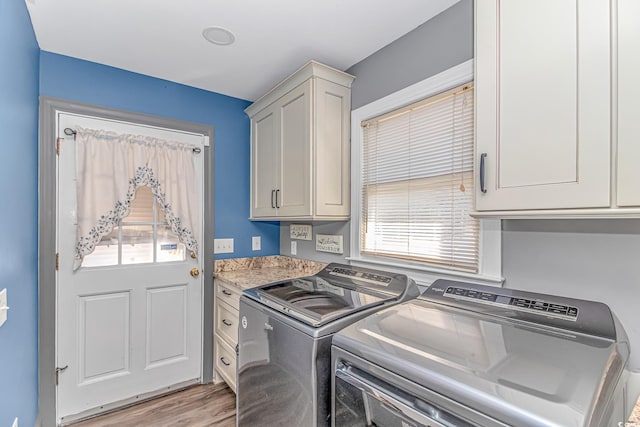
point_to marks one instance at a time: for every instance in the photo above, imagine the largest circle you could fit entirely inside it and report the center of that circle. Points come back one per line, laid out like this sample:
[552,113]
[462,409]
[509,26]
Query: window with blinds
[417,182]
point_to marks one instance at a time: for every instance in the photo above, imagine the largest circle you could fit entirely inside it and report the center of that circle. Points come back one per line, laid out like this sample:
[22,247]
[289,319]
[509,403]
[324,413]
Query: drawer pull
[226,292]
[226,322]
[224,362]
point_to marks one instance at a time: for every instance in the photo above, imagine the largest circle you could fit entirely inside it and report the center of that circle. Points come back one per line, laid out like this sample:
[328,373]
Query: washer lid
[335,292]
[514,372]
[314,300]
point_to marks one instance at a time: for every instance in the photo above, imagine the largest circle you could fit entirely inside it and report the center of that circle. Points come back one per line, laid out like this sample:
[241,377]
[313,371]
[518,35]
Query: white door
[129,320]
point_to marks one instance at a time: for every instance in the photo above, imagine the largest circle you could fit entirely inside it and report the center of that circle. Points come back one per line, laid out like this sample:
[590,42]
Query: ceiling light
[218,35]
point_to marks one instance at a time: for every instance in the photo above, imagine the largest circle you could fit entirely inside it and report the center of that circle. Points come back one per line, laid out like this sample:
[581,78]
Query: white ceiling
[163,38]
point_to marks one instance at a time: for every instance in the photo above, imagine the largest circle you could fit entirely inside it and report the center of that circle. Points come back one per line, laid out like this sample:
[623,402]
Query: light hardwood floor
[198,406]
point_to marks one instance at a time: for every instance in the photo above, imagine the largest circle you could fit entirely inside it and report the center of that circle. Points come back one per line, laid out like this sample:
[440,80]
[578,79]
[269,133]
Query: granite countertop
[245,279]
[634,418]
[245,273]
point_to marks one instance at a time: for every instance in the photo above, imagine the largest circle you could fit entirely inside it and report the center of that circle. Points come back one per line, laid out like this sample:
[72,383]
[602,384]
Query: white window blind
[417,182]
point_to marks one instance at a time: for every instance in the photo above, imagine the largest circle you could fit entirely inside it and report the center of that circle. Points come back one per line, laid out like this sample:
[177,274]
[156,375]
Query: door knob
[194,272]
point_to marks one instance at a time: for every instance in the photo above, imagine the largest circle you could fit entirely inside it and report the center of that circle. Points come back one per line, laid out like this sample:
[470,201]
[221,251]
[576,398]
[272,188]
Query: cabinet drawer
[227,322]
[226,363]
[228,294]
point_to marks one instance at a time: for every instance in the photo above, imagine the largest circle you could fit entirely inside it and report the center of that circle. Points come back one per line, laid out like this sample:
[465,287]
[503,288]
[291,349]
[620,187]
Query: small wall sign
[300,231]
[329,243]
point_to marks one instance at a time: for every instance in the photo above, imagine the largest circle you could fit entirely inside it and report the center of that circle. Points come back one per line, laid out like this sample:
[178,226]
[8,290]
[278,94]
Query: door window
[143,236]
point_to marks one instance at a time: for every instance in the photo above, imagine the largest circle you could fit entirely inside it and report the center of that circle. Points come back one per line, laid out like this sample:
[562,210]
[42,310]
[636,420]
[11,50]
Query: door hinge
[58,141]
[58,370]
[57,261]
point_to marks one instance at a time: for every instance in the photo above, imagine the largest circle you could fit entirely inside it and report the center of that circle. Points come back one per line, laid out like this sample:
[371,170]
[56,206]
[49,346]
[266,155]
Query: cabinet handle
[226,292]
[277,205]
[224,362]
[273,206]
[482,172]
[226,322]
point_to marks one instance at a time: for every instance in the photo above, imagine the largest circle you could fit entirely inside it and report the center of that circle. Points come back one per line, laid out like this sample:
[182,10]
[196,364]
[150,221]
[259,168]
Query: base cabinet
[225,363]
[226,309]
[300,150]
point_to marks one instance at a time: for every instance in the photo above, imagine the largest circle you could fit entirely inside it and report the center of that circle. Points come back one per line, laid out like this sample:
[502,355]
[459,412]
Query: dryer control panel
[571,314]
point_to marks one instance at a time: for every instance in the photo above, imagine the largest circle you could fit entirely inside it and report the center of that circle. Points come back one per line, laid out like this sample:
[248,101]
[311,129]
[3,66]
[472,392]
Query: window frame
[490,245]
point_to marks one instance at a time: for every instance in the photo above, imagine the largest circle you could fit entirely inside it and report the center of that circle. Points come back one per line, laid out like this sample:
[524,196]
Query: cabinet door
[628,103]
[332,148]
[294,195]
[264,159]
[543,103]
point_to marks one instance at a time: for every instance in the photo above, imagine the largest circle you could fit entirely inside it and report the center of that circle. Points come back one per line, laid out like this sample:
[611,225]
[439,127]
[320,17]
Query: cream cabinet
[543,104]
[226,314]
[628,149]
[300,150]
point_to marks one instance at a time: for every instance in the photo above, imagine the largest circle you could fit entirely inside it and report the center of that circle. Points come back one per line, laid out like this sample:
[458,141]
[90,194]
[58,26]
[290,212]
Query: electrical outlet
[294,248]
[3,306]
[223,246]
[256,243]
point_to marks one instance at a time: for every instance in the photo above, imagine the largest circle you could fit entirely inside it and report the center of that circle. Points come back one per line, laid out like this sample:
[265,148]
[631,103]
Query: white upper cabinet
[543,104]
[264,144]
[300,147]
[293,183]
[628,160]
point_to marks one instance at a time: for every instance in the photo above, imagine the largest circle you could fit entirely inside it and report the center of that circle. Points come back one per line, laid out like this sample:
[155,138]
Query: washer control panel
[364,276]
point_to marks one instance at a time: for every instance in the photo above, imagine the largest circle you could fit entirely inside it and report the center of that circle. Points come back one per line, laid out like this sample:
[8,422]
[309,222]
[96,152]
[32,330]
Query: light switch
[3,306]
[223,246]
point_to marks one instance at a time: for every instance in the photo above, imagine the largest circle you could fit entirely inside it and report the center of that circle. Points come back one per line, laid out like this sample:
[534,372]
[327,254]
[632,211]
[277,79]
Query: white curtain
[110,167]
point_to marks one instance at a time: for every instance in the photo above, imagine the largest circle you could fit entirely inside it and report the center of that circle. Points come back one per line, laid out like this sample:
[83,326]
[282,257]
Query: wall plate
[300,231]
[223,246]
[256,243]
[3,306]
[329,243]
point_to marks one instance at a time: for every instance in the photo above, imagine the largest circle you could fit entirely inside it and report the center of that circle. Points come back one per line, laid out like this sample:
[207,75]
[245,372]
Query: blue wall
[19,56]
[78,80]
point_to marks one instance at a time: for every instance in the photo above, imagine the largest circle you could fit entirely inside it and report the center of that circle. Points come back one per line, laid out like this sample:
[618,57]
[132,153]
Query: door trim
[47,238]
